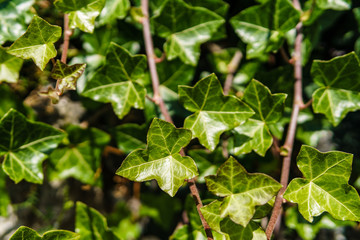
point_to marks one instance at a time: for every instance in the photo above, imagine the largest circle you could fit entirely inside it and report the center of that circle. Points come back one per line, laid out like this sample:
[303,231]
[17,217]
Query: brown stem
[233,65]
[159,101]
[306,105]
[290,137]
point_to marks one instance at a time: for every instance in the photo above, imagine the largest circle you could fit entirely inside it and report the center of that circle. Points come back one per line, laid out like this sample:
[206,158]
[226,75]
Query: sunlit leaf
[185,32]
[241,191]
[218,6]
[263,26]
[24,145]
[161,160]
[4,196]
[114,9]
[90,224]
[214,112]
[324,186]
[334,4]
[25,233]
[67,75]
[37,42]
[9,67]
[339,91]
[82,13]
[81,158]
[116,82]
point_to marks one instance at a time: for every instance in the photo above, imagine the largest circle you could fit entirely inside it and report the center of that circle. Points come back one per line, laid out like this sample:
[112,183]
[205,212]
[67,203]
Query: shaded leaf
[90,224]
[81,158]
[25,233]
[218,6]
[82,13]
[4,196]
[9,99]
[263,26]
[161,160]
[116,82]
[339,89]
[9,67]
[241,191]
[37,42]
[114,9]
[214,112]
[324,186]
[185,32]
[237,232]
[68,75]
[50,93]
[24,144]
[131,136]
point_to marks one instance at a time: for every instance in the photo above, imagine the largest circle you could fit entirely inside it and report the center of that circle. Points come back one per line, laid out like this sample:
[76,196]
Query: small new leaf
[82,13]
[214,112]
[9,67]
[161,159]
[25,233]
[116,82]
[50,93]
[37,42]
[24,145]
[67,75]
[339,91]
[324,186]
[241,191]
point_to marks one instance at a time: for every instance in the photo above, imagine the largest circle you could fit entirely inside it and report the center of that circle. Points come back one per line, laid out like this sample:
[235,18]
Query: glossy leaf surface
[262,26]
[161,160]
[339,91]
[81,158]
[214,112]
[334,4]
[114,9]
[82,13]
[241,191]
[185,32]
[324,186]
[37,42]
[90,224]
[25,233]
[9,67]
[68,75]
[24,145]
[116,82]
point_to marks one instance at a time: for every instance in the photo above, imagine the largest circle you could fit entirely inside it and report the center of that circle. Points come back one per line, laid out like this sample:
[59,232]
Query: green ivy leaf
[185,32]
[241,191]
[237,232]
[24,144]
[214,112]
[90,224]
[218,6]
[25,233]
[114,9]
[68,75]
[161,160]
[37,42]
[81,158]
[338,94]
[4,196]
[334,4]
[324,186]
[131,136]
[263,26]
[254,134]
[15,16]
[9,67]
[82,13]
[116,82]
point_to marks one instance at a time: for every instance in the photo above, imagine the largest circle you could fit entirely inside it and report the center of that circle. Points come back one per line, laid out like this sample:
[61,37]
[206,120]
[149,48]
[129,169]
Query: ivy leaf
[131,136]
[116,82]
[90,224]
[263,26]
[37,42]
[68,75]
[185,32]
[254,134]
[218,6]
[25,233]
[15,16]
[24,145]
[9,67]
[161,160]
[81,158]
[114,9]
[324,186]
[214,112]
[334,4]
[241,191]
[338,93]
[82,14]
[4,196]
